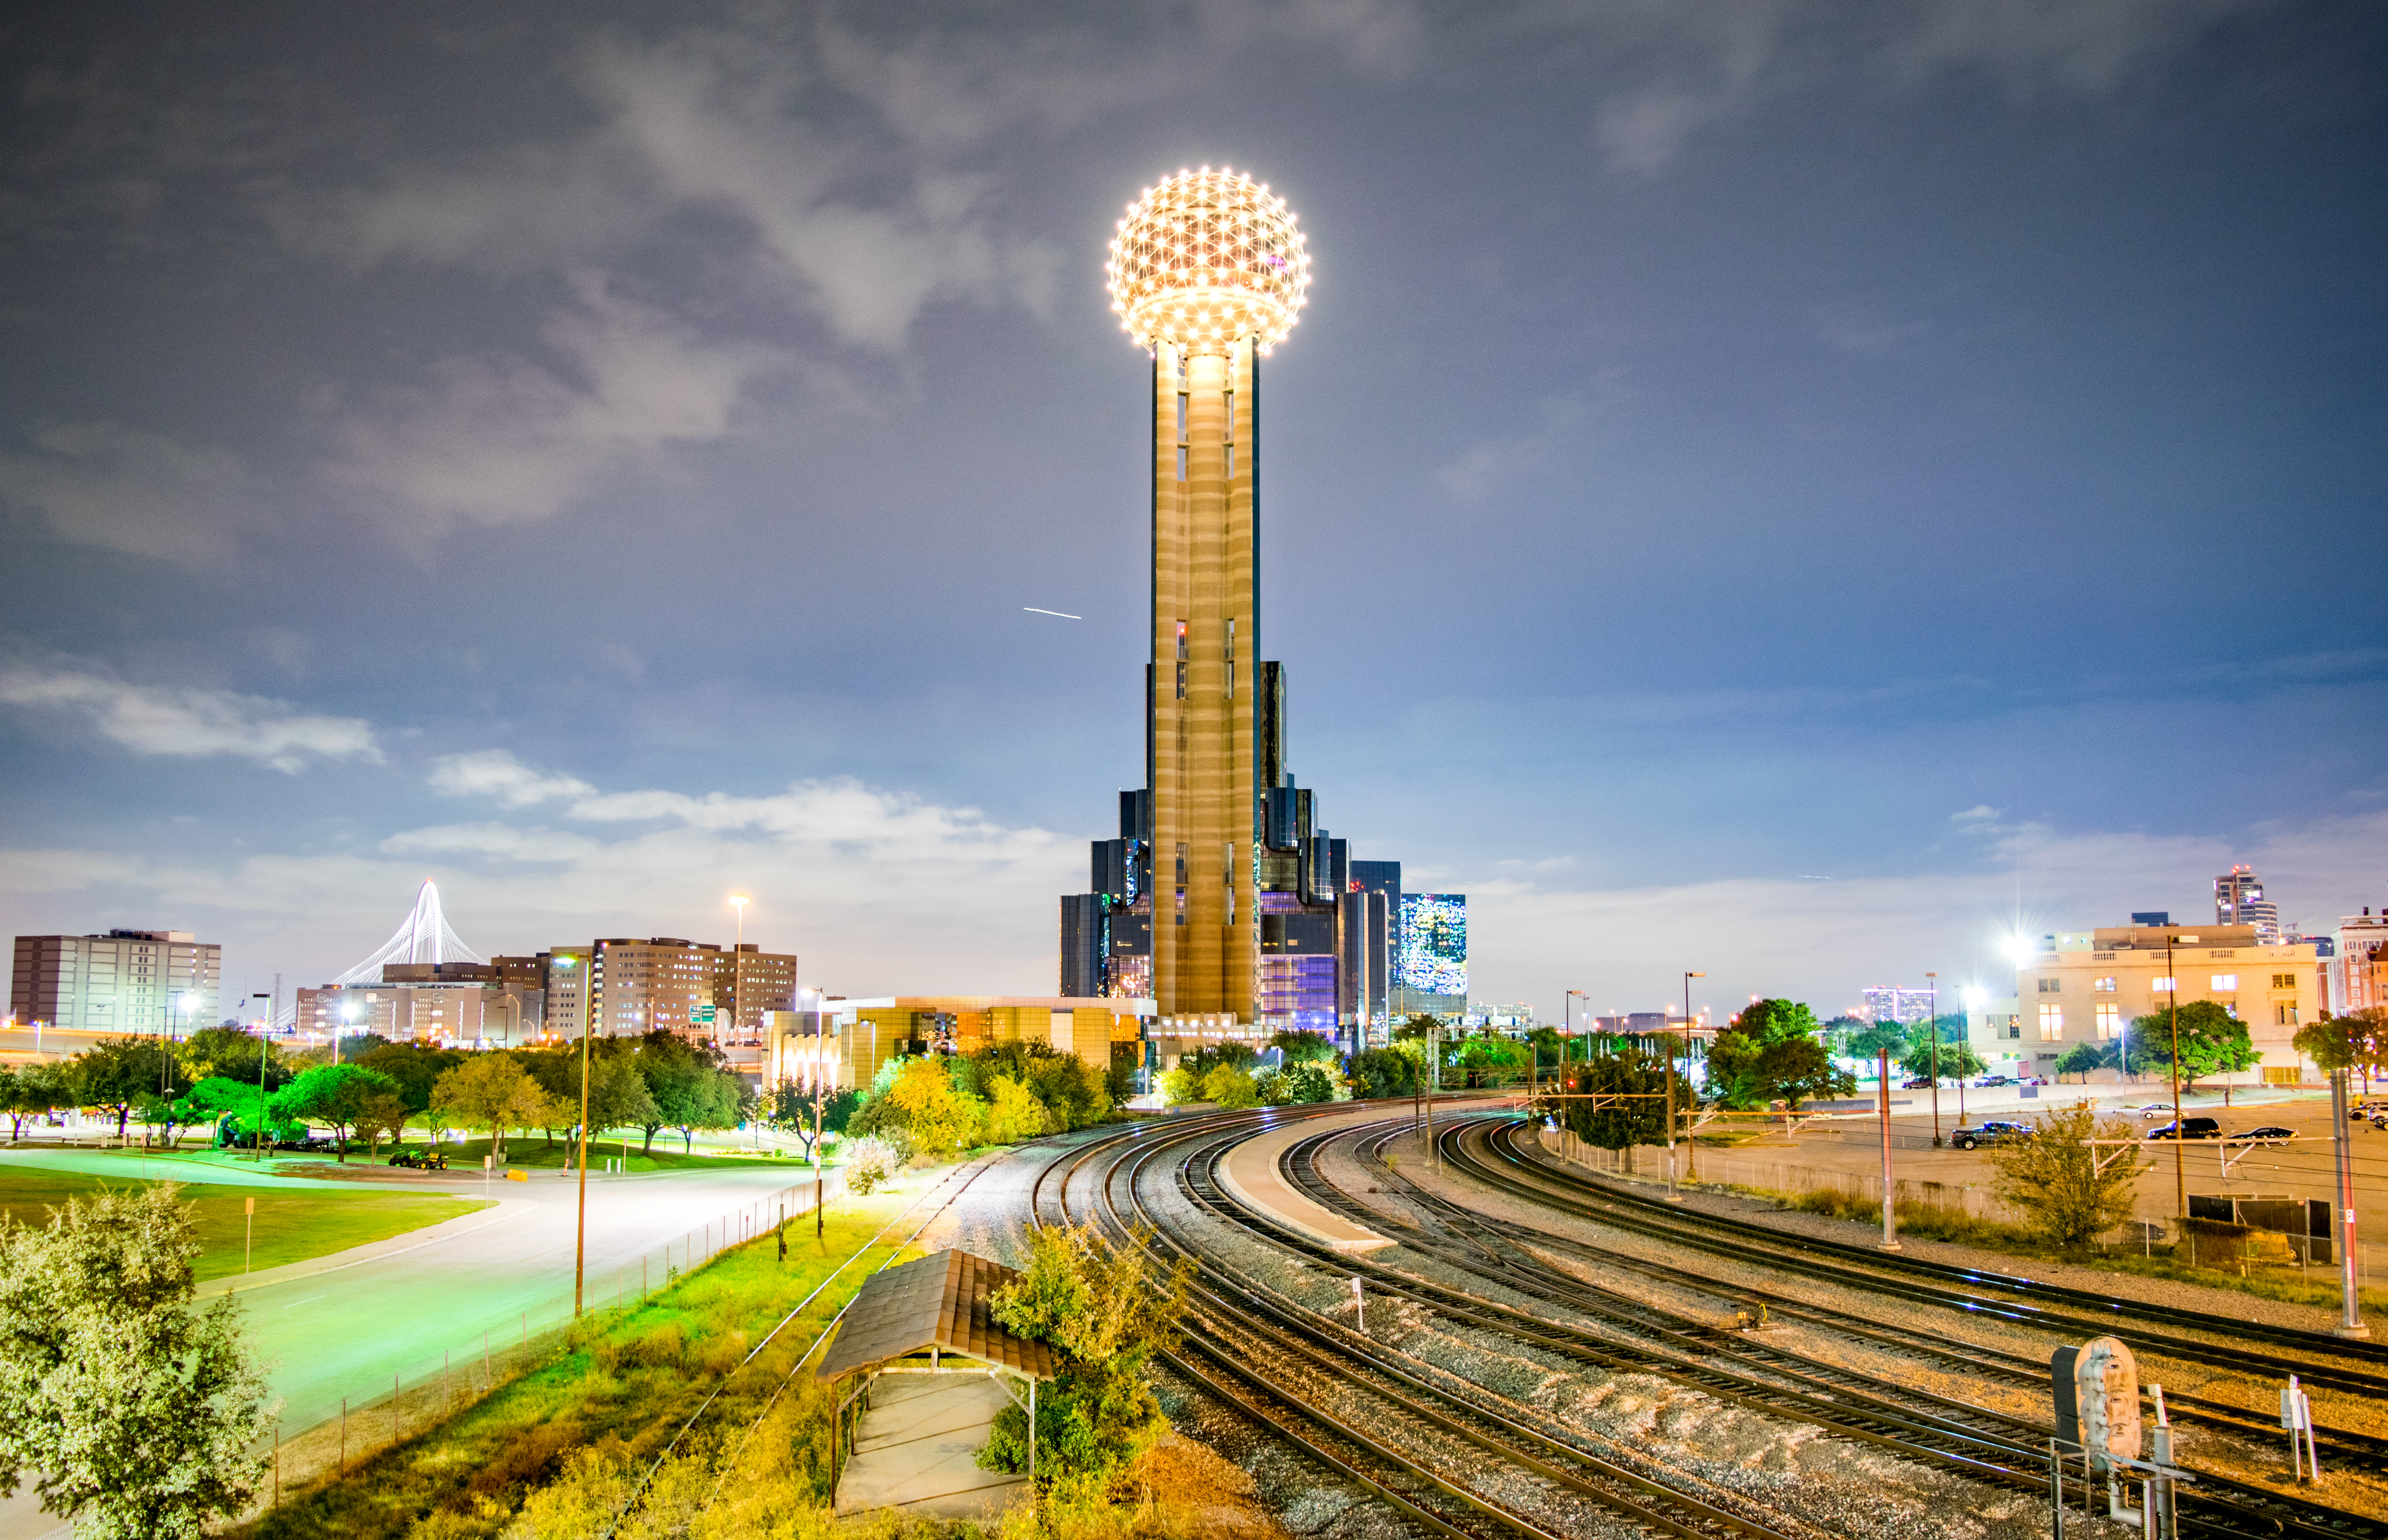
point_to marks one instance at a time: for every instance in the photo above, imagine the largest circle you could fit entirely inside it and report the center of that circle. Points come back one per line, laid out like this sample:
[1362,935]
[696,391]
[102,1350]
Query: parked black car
[2271,1134]
[2188,1127]
[1989,1132]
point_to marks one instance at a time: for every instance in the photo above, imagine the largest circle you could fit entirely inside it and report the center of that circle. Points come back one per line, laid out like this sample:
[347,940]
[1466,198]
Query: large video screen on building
[1434,943]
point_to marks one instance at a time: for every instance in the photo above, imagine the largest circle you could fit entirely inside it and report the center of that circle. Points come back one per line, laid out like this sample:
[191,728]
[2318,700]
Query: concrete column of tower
[1205,607]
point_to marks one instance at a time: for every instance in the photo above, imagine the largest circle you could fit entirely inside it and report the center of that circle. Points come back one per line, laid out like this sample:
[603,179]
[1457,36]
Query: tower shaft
[1200,737]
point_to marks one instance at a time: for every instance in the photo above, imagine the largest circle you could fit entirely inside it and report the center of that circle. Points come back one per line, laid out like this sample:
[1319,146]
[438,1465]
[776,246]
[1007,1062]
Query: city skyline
[1793,511]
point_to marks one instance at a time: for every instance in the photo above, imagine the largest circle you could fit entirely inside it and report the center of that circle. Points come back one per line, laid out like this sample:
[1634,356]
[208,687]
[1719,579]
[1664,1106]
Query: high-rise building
[1221,898]
[2239,901]
[666,982]
[1885,1002]
[125,981]
[1431,975]
[2357,964]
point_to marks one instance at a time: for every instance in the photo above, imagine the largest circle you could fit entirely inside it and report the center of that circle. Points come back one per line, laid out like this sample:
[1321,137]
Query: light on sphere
[1205,259]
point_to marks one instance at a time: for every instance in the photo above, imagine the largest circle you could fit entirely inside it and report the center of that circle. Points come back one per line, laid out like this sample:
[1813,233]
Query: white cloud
[100,483]
[498,440]
[1867,331]
[1488,466]
[188,723]
[495,772]
[501,841]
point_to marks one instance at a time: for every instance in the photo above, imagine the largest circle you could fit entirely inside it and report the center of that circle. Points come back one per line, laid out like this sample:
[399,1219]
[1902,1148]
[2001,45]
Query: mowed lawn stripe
[291,1227]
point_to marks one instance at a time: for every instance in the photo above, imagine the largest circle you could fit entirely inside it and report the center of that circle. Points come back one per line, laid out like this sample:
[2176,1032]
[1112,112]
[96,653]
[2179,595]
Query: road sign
[701,1016]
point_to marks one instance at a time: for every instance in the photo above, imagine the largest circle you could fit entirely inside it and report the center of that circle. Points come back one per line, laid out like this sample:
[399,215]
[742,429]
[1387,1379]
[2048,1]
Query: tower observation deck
[1218,899]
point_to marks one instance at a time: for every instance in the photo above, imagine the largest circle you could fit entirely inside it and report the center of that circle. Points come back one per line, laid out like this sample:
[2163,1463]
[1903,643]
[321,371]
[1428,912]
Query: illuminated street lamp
[1672,1195]
[580,1227]
[738,968]
[2180,1156]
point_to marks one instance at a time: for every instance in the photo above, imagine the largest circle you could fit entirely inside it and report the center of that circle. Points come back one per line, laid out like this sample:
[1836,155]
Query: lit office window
[2285,1014]
[2164,985]
[2103,985]
[2225,981]
[2051,1024]
[2110,1022]
[2284,981]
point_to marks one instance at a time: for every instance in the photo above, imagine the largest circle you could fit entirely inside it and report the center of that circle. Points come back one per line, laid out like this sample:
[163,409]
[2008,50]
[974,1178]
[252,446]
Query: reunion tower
[1208,273]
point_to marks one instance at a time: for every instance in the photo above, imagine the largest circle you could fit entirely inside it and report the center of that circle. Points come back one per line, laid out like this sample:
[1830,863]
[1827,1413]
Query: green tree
[334,1095]
[2053,1179]
[1873,1039]
[690,1083]
[2356,1041]
[1104,1310]
[1637,1077]
[383,1116]
[2212,1042]
[618,1097]
[414,1067]
[138,1409]
[233,1054]
[1771,1053]
[1013,1113]
[2080,1059]
[941,1119]
[1304,1048]
[491,1091]
[33,1090]
[116,1073]
[1180,1084]
[1489,1059]
[1231,1089]
[1926,1048]
[1383,1072]
[1311,1082]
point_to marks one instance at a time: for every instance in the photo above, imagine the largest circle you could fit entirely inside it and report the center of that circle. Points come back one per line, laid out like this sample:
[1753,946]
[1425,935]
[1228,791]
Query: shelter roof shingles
[938,1300]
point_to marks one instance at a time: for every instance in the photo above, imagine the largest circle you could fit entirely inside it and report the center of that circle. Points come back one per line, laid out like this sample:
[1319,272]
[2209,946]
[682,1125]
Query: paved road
[338,1326]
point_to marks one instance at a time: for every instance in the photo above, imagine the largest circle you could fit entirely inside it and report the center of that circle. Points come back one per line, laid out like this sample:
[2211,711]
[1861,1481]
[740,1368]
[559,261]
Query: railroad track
[1375,1417]
[1971,1441]
[1912,1343]
[2361,1450]
[1972,1290]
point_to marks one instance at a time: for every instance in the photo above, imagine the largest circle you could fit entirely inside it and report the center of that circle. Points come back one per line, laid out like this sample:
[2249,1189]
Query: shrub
[871,1163]
[1231,1089]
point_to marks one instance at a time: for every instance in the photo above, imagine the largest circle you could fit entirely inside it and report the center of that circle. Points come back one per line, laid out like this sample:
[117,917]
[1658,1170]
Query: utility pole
[821,1066]
[1691,1148]
[2351,1322]
[1889,1215]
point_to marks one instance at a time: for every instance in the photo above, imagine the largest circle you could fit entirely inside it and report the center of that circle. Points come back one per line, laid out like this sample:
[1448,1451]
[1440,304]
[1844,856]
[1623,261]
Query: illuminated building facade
[126,981]
[2239,901]
[1431,972]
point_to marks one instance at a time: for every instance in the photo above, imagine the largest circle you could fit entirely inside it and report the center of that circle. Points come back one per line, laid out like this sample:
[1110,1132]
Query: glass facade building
[1433,944]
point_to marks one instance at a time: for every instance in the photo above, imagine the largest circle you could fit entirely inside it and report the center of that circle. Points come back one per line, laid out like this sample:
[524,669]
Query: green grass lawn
[533,1152]
[290,1227]
[622,1382]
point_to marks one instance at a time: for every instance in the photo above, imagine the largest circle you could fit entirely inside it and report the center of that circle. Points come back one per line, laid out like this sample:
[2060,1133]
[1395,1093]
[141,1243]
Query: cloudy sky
[1797,491]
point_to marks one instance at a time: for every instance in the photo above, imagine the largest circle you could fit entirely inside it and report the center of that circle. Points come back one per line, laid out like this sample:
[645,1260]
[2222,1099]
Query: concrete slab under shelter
[917,1448]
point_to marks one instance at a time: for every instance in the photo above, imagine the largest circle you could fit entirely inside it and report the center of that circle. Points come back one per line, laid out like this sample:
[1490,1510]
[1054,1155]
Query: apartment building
[2088,987]
[125,981]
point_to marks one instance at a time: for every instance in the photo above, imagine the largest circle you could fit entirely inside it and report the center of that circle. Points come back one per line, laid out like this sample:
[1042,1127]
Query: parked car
[1921,1083]
[1987,1081]
[2366,1112]
[1989,1132]
[2271,1134]
[2188,1127]
[2156,1109]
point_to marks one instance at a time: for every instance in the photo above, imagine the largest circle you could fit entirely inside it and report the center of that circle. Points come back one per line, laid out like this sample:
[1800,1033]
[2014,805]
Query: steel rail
[1930,1432]
[1273,1332]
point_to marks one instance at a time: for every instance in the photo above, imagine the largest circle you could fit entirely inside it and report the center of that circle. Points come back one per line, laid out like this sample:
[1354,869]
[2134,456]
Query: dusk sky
[1799,491]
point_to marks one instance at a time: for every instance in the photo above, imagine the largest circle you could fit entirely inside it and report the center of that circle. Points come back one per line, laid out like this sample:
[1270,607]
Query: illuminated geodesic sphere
[1205,258]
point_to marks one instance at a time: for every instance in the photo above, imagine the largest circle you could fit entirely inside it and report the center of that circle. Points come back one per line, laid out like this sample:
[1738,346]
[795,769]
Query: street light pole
[738,969]
[1932,1021]
[1889,1242]
[1672,1196]
[2179,1154]
[581,1224]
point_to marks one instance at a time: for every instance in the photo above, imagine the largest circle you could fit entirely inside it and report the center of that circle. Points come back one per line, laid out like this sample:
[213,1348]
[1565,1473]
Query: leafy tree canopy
[1770,1053]
[2053,1178]
[139,1409]
[231,1053]
[414,1068]
[333,1095]
[1638,1079]
[2357,1041]
[1381,1072]
[1304,1048]
[2212,1042]
[2081,1058]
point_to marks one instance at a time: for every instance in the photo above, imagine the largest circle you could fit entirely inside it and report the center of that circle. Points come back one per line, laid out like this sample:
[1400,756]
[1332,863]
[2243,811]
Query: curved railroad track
[1300,1374]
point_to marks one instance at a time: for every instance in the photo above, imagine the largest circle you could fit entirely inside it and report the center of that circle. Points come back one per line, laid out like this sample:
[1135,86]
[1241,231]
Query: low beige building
[2088,987]
[861,1034]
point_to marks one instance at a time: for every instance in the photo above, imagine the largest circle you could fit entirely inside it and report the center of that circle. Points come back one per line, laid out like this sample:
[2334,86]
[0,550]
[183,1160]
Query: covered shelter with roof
[914,1443]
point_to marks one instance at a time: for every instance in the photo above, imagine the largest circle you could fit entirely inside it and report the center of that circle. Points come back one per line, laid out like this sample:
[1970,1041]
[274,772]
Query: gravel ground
[2261,1462]
[1819,1483]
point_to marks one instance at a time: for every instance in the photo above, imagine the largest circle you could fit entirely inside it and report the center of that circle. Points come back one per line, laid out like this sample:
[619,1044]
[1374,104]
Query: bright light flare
[1206,257]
